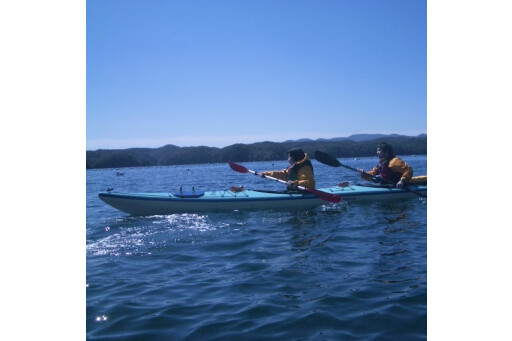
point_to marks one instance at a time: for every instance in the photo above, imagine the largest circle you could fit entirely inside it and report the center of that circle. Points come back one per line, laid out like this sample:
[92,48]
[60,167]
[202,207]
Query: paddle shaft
[275,179]
[333,162]
[366,173]
[322,195]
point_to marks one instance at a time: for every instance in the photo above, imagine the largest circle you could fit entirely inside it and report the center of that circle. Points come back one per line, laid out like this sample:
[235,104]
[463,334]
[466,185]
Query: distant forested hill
[360,145]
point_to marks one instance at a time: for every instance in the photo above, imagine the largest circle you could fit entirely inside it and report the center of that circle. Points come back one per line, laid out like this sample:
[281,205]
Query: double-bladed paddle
[329,160]
[322,195]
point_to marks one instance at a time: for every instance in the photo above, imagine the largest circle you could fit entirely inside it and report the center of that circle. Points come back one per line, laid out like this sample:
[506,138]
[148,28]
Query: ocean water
[350,271]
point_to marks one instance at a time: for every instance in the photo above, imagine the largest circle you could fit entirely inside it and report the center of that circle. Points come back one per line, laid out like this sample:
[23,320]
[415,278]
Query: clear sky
[216,73]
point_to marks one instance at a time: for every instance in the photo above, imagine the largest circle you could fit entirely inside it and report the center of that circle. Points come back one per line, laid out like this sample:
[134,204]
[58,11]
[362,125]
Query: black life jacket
[387,174]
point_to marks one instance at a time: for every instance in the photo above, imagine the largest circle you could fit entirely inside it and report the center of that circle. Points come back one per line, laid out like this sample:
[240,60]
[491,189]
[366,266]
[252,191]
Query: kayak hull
[169,203]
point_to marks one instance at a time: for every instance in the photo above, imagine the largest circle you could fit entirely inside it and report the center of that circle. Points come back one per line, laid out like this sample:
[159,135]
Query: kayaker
[299,173]
[390,170]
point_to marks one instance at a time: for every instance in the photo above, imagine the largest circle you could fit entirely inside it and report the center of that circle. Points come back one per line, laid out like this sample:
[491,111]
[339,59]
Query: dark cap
[297,154]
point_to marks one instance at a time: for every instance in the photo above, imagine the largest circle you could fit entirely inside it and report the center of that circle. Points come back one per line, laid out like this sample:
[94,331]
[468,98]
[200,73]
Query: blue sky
[216,73]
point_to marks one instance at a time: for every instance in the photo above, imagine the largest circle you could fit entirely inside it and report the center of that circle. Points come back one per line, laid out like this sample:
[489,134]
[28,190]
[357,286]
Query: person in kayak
[390,170]
[299,173]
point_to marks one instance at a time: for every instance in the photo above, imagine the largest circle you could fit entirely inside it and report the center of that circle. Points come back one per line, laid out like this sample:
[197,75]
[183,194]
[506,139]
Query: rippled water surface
[351,271]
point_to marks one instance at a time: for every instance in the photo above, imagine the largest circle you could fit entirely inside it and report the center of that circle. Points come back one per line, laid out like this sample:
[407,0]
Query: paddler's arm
[400,166]
[281,175]
[368,176]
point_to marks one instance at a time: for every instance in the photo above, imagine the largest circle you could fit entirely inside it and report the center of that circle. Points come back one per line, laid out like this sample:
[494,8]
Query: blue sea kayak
[199,201]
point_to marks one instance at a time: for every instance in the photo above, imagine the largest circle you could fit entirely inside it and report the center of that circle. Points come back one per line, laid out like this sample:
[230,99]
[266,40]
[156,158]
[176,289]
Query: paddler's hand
[262,174]
[400,184]
[363,175]
[291,183]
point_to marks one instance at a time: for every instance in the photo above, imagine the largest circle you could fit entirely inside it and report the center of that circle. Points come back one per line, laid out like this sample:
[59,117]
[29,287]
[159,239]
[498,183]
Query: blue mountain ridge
[355,138]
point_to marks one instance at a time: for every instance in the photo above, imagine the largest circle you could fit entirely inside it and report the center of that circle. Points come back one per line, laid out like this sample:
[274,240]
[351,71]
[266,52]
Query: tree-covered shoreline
[260,151]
